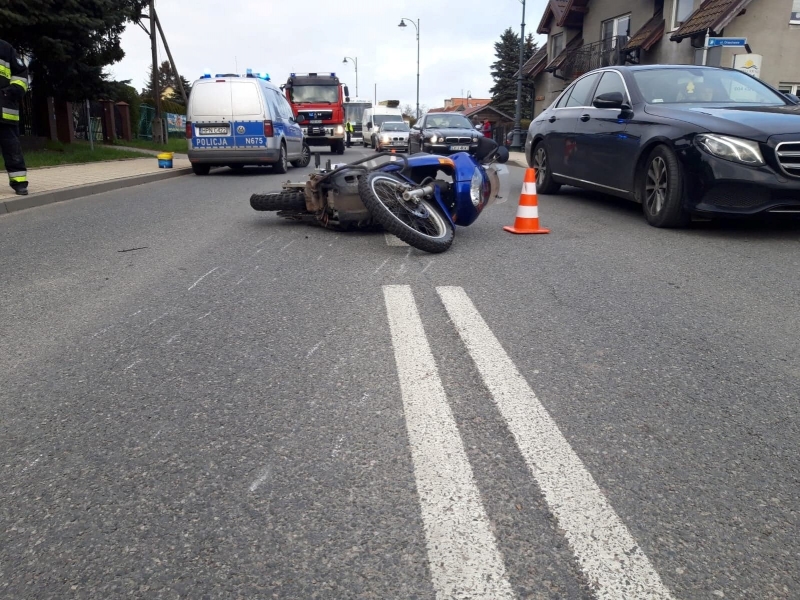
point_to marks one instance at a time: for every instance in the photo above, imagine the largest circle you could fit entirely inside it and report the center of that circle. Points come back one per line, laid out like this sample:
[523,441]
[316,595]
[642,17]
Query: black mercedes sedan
[443,133]
[679,139]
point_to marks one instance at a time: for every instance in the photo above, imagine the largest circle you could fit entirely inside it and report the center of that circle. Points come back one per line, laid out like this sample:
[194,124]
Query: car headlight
[734,149]
[339,129]
[384,138]
[476,187]
[436,138]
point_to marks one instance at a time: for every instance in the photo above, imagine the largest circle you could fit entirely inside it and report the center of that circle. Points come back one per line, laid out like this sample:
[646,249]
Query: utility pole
[515,143]
[171,61]
[416,26]
[158,123]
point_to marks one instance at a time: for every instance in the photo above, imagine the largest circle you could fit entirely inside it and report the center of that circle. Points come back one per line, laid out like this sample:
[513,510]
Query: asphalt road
[246,407]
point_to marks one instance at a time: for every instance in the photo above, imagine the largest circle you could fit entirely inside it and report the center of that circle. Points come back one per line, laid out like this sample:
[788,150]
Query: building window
[613,29]
[616,27]
[789,88]
[681,9]
[557,46]
[795,20]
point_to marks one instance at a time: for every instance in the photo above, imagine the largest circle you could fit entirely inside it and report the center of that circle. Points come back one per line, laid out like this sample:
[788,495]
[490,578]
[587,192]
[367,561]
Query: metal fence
[88,121]
[27,118]
[593,56]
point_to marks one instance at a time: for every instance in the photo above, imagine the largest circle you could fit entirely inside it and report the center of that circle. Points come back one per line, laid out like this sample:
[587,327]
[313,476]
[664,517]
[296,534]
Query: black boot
[21,191]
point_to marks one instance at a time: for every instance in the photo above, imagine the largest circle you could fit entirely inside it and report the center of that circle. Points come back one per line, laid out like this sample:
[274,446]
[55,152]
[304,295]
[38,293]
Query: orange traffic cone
[527,220]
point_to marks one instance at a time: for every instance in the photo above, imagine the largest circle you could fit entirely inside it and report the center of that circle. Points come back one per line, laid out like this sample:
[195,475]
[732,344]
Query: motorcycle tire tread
[393,226]
[275,201]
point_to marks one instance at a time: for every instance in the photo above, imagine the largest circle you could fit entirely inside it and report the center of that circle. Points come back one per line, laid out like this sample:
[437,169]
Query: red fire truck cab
[317,100]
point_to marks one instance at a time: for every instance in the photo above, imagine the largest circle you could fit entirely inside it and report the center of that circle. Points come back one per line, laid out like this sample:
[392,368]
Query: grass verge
[173,145]
[56,153]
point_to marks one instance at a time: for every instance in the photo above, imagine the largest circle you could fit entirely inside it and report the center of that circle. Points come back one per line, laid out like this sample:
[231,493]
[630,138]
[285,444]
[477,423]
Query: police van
[237,121]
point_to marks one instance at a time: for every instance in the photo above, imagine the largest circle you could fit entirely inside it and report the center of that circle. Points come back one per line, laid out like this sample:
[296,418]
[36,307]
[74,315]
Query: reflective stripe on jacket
[13,83]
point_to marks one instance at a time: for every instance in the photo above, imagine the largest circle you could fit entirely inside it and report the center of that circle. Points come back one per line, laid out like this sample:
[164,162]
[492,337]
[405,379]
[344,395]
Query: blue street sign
[726,41]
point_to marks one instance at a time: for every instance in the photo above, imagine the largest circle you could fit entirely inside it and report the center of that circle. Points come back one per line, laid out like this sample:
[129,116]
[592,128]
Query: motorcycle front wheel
[420,225]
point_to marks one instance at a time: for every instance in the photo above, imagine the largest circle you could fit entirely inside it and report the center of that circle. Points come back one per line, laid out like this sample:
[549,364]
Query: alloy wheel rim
[656,186]
[540,163]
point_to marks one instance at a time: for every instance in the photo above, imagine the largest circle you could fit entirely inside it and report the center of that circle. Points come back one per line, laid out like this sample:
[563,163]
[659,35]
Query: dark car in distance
[443,133]
[679,139]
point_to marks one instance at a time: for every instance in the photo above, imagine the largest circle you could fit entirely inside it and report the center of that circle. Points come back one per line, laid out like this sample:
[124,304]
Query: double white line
[462,551]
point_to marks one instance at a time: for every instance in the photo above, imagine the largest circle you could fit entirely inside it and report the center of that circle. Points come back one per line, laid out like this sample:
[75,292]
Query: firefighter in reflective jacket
[13,85]
[348,127]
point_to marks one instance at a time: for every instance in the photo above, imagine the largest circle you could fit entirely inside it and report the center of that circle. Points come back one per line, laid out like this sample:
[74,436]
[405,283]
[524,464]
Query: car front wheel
[544,176]
[661,189]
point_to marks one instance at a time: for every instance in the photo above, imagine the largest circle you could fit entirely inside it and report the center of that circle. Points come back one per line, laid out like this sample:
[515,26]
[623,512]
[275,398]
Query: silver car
[238,121]
[392,135]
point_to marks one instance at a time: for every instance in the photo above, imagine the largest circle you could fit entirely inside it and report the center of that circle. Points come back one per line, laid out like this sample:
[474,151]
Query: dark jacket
[13,83]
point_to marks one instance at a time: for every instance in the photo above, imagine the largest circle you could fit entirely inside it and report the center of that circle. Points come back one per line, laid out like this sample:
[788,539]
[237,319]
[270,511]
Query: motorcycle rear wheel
[421,225]
[291,201]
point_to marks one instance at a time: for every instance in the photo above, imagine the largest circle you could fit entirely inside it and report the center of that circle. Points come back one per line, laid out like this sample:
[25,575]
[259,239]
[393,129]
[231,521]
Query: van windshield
[315,93]
[394,126]
[380,119]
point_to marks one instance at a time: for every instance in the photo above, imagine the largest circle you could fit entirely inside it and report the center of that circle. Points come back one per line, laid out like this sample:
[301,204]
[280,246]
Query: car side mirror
[347,93]
[793,98]
[609,100]
[369,125]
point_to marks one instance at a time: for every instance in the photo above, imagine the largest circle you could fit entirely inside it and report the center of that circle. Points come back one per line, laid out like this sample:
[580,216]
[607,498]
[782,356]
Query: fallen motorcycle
[406,196]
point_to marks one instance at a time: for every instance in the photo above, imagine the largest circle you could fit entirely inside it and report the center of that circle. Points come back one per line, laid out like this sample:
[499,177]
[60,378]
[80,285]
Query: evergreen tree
[504,69]
[68,43]
[166,79]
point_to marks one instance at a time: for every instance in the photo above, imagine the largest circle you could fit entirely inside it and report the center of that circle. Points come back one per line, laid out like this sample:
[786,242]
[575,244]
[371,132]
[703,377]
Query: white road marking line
[426,267]
[609,556]
[393,240]
[379,268]
[314,349]
[462,553]
[158,318]
[263,476]
[287,245]
[201,279]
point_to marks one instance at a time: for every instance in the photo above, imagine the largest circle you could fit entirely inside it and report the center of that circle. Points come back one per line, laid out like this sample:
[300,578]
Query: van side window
[284,107]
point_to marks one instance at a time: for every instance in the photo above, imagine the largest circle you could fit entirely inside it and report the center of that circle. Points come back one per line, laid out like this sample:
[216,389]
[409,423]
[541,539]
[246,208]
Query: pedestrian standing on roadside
[13,86]
[349,130]
[487,129]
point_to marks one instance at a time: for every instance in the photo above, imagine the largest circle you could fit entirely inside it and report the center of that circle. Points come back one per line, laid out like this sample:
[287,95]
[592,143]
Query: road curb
[79,191]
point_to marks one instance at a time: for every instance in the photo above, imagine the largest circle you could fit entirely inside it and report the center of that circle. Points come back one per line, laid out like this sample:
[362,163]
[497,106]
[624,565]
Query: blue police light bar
[333,74]
[293,74]
[249,72]
[264,76]
[206,74]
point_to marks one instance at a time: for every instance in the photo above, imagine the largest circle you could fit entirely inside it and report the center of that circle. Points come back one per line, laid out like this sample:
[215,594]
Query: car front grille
[789,157]
[316,115]
[458,140]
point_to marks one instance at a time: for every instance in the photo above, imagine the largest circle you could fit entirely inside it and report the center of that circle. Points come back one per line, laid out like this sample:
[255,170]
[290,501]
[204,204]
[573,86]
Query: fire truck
[317,100]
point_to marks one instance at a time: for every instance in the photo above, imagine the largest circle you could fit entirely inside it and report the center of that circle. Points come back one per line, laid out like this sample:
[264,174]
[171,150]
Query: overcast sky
[281,37]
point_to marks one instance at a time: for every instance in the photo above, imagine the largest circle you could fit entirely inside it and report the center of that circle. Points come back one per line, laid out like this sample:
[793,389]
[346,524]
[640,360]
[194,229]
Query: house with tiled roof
[587,34]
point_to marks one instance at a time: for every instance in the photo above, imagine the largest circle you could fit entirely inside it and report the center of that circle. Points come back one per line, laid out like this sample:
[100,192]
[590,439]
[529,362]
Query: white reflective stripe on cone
[528,212]
[529,187]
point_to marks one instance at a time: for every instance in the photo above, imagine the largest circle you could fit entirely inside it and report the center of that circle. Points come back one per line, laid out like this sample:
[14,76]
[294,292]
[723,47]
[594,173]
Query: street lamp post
[416,25]
[355,62]
[515,143]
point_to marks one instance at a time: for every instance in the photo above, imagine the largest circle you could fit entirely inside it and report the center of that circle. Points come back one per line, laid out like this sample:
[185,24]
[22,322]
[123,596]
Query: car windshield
[315,93]
[447,122]
[702,86]
[394,127]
